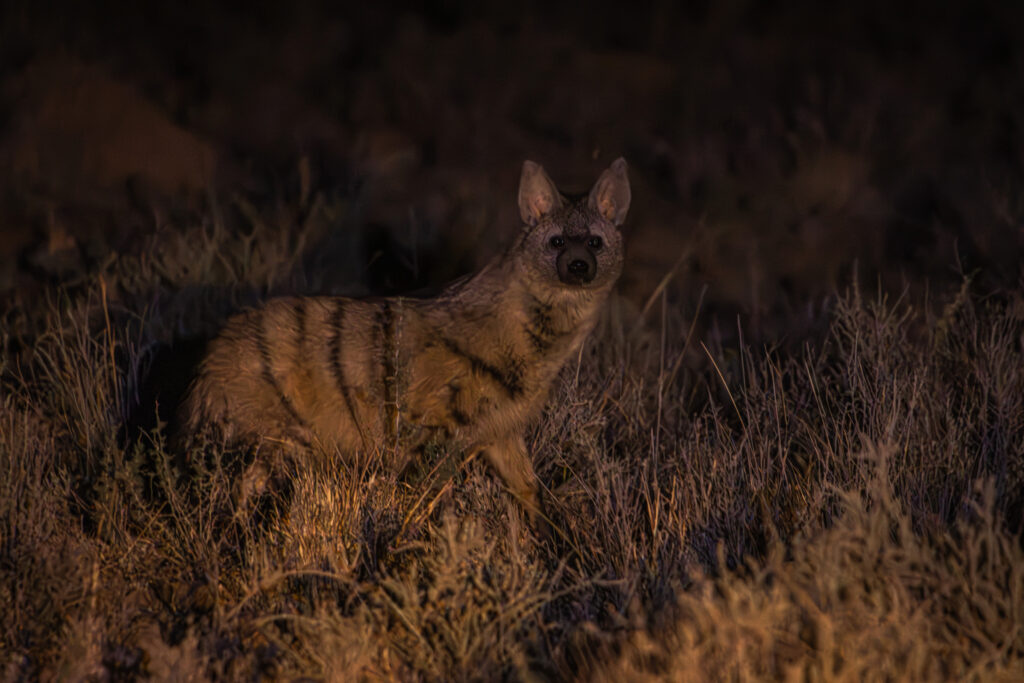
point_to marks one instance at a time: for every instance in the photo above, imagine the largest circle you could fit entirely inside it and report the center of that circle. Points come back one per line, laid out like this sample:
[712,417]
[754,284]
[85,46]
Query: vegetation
[792,449]
[842,510]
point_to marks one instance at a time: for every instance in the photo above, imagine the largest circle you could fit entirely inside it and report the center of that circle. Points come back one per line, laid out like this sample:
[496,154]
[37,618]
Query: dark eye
[557,241]
[594,242]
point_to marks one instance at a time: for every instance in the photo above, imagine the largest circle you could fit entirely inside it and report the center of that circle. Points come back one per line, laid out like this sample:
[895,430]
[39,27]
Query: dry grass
[778,476]
[843,511]
[867,599]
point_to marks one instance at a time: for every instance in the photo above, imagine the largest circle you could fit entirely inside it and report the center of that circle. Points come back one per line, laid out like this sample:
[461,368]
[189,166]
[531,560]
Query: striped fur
[468,369]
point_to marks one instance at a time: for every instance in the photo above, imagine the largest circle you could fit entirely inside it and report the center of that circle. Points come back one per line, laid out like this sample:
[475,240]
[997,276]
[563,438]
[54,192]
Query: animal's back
[304,371]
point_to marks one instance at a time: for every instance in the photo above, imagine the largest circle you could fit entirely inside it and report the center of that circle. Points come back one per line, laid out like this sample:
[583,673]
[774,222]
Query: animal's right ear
[538,196]
[611,194]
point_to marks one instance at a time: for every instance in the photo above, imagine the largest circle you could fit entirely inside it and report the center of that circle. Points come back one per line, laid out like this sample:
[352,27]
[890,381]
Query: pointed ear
[610,196]
[538,196]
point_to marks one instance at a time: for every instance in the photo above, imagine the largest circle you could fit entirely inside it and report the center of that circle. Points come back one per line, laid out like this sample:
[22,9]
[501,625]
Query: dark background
[778,150]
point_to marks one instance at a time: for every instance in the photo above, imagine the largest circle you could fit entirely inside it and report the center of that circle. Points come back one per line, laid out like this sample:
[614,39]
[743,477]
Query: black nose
[578,267]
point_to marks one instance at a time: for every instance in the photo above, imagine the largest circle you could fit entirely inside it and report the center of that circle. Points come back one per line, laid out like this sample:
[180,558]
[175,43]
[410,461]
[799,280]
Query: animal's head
[573,242]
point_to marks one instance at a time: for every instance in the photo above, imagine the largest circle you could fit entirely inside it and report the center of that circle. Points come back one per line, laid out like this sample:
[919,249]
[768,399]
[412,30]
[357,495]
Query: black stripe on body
[270,379]
[335,349]
[540,342]
[300,325]
[541,329]
[461,418]
[386,325]
[510,381]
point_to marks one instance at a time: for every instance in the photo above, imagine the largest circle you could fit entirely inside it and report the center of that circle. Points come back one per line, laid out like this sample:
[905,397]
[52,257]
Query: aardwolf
[467,369]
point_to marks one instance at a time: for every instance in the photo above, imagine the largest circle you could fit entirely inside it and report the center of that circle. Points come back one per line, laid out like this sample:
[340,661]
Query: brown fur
[468,369]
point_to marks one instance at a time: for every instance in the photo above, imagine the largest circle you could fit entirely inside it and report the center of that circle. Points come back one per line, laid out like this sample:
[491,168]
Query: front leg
[511,461]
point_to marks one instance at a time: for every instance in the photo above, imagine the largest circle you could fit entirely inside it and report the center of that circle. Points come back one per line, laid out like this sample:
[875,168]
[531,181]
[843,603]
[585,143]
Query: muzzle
[576,265]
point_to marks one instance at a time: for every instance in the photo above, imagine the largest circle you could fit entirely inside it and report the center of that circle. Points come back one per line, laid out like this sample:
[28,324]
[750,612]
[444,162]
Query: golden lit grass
[838,512]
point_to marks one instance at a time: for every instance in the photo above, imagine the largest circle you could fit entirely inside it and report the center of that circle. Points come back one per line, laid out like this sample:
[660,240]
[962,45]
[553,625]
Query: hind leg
[269,474]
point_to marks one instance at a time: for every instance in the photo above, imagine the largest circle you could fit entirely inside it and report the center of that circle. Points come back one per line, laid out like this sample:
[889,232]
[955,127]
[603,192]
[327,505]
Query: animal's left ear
[610,196]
